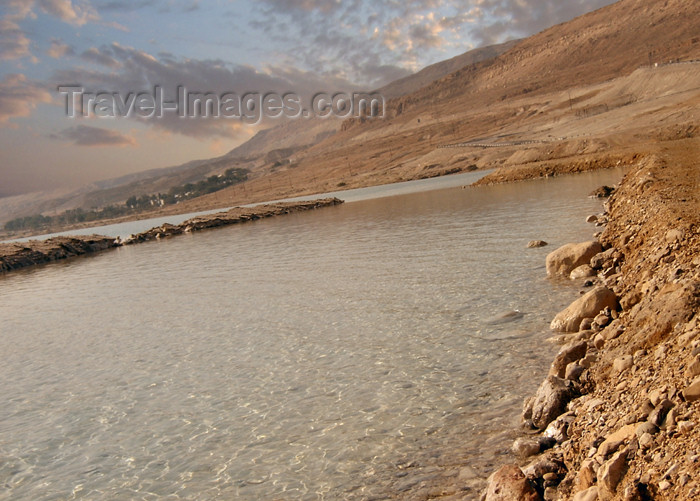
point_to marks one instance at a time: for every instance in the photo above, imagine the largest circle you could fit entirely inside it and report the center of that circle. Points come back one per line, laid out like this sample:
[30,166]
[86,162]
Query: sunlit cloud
[19,96]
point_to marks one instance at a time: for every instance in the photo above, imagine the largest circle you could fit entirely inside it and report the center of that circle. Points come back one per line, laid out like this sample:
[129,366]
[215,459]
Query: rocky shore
[618,416]
[16,255]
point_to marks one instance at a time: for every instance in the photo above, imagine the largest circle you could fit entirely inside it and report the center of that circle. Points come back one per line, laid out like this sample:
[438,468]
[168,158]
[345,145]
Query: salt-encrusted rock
[583,271]
[562,261]
[692,392]
[532,244]
[550,401]
[568,354]
[589,305]
[509,483]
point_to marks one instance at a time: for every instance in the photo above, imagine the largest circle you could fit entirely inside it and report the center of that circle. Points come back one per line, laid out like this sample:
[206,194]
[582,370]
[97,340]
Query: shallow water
[310,356]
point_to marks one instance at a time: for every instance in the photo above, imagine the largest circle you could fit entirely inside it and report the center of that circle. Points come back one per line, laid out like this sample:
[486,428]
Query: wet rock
[592,219]
[692,391]
[567,355]
[509,483]
[550,401]
[532,244]
[562,261]
[589,305]
[583,271]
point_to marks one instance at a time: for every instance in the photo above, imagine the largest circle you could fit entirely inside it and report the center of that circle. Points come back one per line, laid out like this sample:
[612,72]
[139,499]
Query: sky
[125,47]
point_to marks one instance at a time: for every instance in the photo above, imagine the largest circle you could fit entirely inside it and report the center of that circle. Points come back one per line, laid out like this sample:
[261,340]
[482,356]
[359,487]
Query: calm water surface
[345,353]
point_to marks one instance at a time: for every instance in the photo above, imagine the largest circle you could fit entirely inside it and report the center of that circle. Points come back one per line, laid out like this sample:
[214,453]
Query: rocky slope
[619,413]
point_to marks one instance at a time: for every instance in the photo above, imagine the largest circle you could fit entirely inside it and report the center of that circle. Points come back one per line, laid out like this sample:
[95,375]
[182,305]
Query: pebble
[664,485]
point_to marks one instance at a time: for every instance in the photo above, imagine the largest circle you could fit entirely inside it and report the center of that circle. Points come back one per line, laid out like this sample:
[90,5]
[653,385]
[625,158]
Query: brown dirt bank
[631,429]
[18,255]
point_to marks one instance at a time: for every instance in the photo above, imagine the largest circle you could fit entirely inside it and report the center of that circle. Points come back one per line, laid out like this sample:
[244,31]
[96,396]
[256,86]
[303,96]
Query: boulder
[587,306]
[566,355]
[509,483]
[562,261]
[550,401]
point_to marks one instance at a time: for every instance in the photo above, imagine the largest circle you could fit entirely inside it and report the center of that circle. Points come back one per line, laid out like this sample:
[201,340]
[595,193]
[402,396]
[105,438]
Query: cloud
[408,34]
[85,135]
[19,96]
[14,43]
[132,71]
[103,58]
[59,49]
[77,14]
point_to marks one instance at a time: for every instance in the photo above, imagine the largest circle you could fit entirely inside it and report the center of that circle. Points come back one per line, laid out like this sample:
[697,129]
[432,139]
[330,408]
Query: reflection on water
[346,353]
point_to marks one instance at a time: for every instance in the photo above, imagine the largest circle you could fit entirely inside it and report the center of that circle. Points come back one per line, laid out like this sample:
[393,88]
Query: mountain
[594,89]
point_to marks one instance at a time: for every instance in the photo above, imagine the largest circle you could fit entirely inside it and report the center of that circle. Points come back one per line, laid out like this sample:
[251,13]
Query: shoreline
[17,255]
[617,416]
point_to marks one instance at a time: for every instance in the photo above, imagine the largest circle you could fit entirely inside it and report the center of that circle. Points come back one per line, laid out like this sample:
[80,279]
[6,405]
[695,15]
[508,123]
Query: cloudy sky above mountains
[301,46]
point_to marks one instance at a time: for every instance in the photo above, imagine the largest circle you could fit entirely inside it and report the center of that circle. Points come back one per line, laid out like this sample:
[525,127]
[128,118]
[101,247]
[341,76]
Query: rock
[692,392]
[659,413]
[590,494]
[573,371]
[694,368]
[602,192]
[588,361]
[550,401]
[602,259]
[646,427]
[615,440]
[674,235]
[685,427]
[566,355]
[611,472]
[509,483]
[623,363]
[592,219]
[558,429]
[532,244]
[589,305]
[526,446]
[583,271]
[664,485]
[540,467]
[586,324]
[646,441]
[602,319]
[562,261]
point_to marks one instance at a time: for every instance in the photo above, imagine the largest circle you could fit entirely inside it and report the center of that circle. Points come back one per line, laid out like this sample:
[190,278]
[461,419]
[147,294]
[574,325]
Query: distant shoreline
[18,255]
